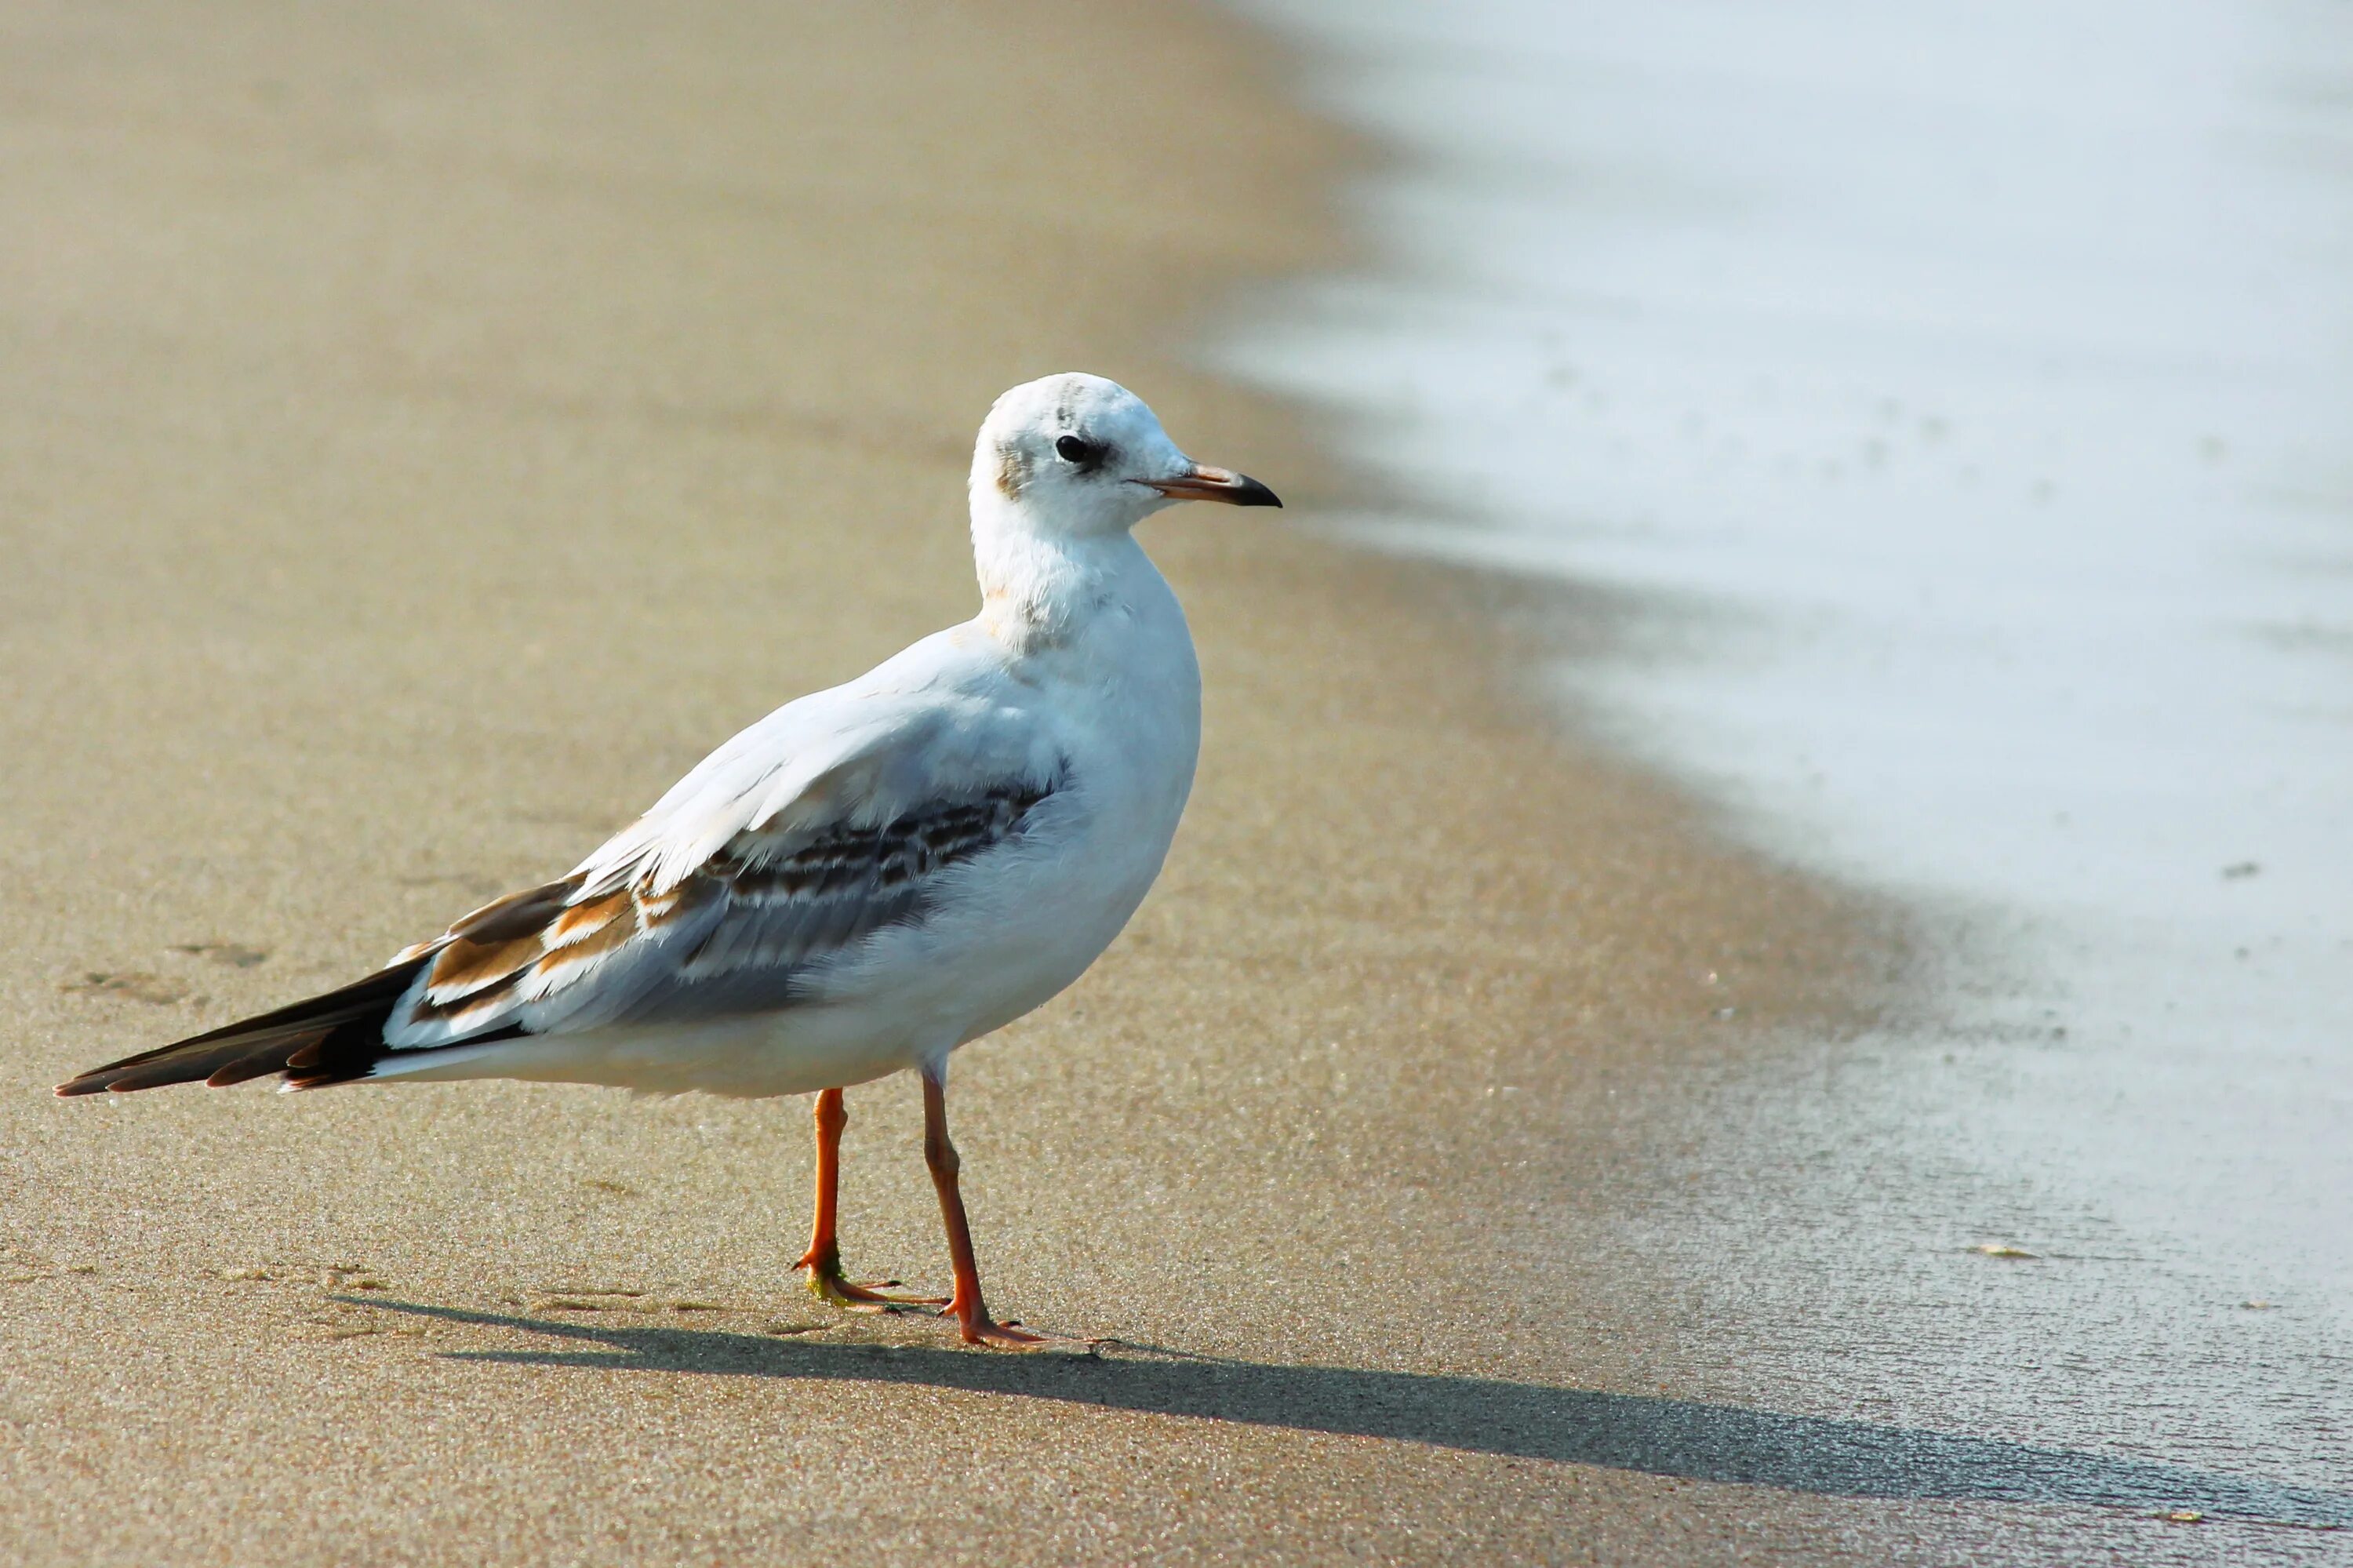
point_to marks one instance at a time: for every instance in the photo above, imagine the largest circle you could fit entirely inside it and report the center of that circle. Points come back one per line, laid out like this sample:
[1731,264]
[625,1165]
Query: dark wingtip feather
[337,1035]
[277,1057]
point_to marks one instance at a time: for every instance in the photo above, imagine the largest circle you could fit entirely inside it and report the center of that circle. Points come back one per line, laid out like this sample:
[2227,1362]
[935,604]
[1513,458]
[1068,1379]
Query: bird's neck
[1038,593]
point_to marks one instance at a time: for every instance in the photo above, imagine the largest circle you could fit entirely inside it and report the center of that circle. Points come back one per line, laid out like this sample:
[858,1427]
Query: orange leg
[823,1259]
[966,1306]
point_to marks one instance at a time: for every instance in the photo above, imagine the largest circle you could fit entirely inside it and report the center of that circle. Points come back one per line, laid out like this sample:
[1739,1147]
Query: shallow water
[1965,394]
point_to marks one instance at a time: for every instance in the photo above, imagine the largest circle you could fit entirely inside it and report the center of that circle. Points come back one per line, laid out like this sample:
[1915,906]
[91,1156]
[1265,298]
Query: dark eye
[1079,450]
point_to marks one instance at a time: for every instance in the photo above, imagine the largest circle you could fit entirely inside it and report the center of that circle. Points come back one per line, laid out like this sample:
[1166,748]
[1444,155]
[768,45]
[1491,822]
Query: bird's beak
[1216,484]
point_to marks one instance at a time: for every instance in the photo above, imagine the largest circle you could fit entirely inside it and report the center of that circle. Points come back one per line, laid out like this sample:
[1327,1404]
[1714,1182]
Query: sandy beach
[422,436]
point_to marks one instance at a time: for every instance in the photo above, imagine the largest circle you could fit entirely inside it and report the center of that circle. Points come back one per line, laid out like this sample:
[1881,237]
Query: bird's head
[1072,456]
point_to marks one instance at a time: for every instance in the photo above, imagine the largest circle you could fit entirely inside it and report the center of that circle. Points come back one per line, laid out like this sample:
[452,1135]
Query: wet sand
[421,437]
[1965,510]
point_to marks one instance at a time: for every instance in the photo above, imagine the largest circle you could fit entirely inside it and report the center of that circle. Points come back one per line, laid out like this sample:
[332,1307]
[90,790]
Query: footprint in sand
[136,984]
[235,955]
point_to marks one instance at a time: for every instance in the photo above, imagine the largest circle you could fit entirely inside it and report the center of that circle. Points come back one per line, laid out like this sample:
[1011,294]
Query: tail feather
[326,1039]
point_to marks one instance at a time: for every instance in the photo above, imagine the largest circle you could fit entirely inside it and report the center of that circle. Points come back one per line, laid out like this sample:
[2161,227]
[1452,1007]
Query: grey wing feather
[831,819]
[746,932]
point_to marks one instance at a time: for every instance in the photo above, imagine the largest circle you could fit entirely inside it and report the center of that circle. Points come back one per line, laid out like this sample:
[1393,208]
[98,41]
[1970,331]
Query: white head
[1075,456]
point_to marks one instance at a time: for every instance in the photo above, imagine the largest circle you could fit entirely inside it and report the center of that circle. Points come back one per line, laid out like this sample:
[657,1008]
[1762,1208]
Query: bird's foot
[984,1330]
[975,1327]
[826,1283]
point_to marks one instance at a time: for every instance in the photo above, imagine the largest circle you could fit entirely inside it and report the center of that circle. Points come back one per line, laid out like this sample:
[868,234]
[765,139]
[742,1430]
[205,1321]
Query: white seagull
[862,881]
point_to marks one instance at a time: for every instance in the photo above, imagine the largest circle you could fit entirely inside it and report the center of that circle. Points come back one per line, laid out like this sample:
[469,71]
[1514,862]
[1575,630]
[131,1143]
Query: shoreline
[1911,566]
[433,439]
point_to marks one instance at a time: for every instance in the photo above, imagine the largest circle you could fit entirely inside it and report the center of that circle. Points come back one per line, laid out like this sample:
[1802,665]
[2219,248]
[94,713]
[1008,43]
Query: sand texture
[423,431]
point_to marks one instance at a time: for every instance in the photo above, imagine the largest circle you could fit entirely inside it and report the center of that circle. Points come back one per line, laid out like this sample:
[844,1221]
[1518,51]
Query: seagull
[861,882]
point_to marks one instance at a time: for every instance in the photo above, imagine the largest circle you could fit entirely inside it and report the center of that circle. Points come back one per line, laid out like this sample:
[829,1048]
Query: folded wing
[785,853]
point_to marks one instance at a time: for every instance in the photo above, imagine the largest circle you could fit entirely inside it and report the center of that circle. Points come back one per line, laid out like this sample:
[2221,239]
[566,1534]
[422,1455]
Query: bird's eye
[1077,450]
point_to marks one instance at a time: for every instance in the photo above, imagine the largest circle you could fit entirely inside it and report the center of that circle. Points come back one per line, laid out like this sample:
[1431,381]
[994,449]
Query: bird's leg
[966,1306]
[823,1259]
